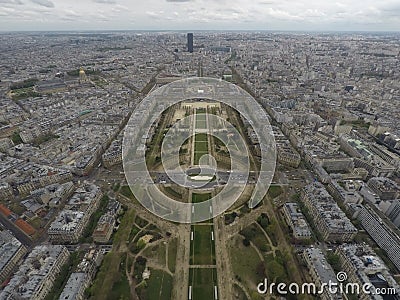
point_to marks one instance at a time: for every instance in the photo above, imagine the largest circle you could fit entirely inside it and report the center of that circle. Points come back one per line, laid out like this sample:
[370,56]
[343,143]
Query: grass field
[103,281]
[201,137]
[126,191]
[241,295]
[201,122]
[257,237]
[24,93]
[274,191]
[245,261]
[200,147]
[157,254]
[203,282]
[125,228]
[134,231]
[121,289]
[202,248]
[197,198]
[173,193]
[172,248]
[197,156]
[111,279]
[158,286]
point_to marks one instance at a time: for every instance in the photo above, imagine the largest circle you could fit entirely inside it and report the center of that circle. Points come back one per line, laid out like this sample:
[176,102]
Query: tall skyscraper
[190,42]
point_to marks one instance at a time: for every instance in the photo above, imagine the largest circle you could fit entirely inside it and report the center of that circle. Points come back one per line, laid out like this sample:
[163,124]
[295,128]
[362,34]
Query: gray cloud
[105,1]
[18,2]
[266,2]
[45,3]
[201,14]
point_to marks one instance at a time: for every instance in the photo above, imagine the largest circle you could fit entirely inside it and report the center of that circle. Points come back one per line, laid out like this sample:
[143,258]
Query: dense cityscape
[71,228]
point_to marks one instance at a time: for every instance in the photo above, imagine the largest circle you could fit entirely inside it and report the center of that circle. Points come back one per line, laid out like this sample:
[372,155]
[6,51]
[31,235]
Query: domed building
[82,76]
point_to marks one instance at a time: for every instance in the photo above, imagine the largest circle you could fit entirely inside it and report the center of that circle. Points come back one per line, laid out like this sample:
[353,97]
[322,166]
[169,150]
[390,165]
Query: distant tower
[82,76]
[190,42]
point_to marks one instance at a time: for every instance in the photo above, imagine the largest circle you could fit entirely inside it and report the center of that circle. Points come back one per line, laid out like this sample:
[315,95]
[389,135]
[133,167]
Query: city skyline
[45,15]
[135,166]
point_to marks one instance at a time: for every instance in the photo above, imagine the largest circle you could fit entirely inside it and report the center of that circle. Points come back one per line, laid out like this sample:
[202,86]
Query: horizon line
[200,30]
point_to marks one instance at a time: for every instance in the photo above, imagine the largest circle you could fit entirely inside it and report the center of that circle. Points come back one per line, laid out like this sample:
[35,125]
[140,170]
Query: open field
[200,147]
[158,287]
[274,191]
[202,283]
[201,137]
[202,248]
[197,156]
[201,121]
[156,253]
[126,191]
[245,262]
[254,234]
[173,192]
[121,288]
[239,293]
[111,278]
[197,198]
[172,248]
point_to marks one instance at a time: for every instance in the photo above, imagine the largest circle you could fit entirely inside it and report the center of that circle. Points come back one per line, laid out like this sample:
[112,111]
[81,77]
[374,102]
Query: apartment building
[11,253]
[329,219]
[37,274]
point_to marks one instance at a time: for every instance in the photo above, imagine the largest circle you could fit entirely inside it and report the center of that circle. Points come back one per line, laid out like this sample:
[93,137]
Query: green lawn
[135,230]
[196,198]
[126,191]
[200,147]
[157,254]
[111,279]
[202,282]
[125,228]
[36,223]
[274,191]
[201,122]
[245,261]
[197,156]
[173,193]
[158,287]
[121,289]
[17,208]
[241,295]
[141,222]
[201,137]
[275,268]
[172,248]
[16,138]
[106,277]
[257,237]
[24,93]
[202,251]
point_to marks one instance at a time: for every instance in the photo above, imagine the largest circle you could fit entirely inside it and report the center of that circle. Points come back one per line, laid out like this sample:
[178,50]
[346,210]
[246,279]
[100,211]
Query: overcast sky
[370,15]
